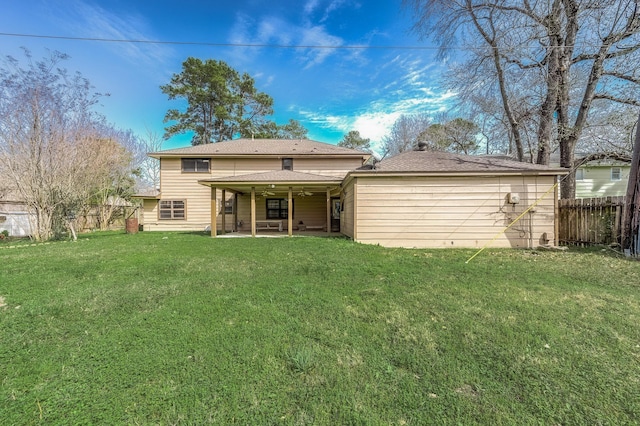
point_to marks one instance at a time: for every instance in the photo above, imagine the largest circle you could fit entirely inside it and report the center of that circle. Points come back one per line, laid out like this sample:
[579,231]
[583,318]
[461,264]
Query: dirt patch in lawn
[468,391]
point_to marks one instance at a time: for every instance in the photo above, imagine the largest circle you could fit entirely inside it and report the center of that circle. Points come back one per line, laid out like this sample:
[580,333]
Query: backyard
[180,328]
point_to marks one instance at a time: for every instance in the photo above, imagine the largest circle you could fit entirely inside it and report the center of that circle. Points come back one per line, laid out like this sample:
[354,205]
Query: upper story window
[616,173]
[195,165]
[579,174]
[287,164]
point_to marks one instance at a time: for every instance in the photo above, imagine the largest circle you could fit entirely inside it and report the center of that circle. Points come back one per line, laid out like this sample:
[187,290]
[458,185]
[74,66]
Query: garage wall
[347,214]
[452,212]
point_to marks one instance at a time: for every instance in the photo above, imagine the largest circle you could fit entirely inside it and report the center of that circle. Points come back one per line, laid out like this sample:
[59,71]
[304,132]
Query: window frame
[283,212]
[579,174]
[173,209]
[287,163]
[229,205]
[619,173]
[196,161]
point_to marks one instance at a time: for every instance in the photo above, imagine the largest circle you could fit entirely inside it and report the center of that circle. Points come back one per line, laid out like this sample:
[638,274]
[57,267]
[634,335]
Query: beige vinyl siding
[311,210]
[149,214]
[452,212]
[336,167]
[597,182]
[223,167]
[176,185]
[347,214]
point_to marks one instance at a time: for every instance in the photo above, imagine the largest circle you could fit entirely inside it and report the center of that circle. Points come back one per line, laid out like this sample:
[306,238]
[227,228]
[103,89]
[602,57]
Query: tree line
[57,155]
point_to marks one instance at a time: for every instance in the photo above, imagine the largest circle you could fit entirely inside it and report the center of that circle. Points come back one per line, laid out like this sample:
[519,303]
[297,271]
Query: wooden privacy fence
[588,221]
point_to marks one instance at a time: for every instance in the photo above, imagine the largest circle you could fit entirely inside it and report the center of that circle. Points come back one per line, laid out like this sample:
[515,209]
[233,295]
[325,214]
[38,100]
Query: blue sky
[330,91]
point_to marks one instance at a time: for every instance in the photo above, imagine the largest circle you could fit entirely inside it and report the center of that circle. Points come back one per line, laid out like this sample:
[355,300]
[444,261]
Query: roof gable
[259,147]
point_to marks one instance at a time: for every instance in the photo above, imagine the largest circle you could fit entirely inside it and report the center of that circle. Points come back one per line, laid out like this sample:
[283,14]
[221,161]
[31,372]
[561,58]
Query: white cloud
[276,31]
[271,30]
[313,6]
[406,87]
[317,36]
[350,94]
[334,5]
[310,6]
[90,20]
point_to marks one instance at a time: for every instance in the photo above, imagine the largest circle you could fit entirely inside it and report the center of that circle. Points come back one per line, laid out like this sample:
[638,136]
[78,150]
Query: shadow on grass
[601,250]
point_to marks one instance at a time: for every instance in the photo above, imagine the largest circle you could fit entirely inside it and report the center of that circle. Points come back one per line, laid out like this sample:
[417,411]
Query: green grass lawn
[169,328]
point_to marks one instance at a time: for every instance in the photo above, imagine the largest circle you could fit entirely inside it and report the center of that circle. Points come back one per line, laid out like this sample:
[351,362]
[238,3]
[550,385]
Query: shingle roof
[275,176]
[149,194]
[443,162]
[243,147]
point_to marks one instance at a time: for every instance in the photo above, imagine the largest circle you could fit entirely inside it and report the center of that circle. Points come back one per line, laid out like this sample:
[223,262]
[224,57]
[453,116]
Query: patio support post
[253,211]
[214,212]
[224,211]
[328,210]
[235,212]
[290,212]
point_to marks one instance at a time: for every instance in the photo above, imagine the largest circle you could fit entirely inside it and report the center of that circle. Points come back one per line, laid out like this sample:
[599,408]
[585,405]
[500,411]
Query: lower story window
[277,208]
[172,209]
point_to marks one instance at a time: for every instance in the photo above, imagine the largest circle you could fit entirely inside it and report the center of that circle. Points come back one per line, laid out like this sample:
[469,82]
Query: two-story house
[415,199]
[259,176]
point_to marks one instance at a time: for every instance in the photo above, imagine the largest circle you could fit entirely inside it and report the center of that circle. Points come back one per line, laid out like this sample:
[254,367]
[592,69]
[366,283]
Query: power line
[279,46]
[212,44]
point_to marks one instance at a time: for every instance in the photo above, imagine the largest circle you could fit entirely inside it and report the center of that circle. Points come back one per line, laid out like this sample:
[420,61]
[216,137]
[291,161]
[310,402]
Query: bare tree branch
[618,156]
[621,76]
[626,101]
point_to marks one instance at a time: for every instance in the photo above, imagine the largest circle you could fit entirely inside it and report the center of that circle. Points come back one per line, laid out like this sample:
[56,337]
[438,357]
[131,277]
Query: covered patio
[277,202]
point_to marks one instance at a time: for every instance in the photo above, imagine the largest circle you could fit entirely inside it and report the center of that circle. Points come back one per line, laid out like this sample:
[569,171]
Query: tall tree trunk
[504,96]
[631,213]
[567,137]
[548,107]
[567,153]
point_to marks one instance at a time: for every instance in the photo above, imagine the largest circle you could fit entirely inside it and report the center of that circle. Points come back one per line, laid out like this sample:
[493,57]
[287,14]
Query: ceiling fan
[304,193]
[266,193]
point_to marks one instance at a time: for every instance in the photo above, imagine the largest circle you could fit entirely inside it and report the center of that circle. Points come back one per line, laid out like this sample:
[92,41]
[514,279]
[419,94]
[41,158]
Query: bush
[4,234]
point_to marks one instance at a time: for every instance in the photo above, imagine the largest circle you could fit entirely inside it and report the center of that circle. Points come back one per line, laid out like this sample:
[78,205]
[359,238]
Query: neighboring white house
[15,218]
[602,178]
